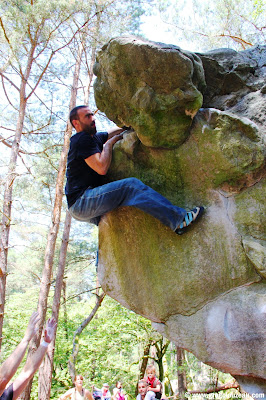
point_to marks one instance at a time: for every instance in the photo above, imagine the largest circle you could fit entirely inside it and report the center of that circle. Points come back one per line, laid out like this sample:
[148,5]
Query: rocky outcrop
[134,88]
[198,139]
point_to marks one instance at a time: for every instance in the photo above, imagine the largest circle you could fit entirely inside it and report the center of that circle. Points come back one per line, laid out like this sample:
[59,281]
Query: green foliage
[109,347]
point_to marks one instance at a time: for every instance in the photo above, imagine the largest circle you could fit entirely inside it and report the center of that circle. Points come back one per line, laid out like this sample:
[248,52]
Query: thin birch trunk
[93,57]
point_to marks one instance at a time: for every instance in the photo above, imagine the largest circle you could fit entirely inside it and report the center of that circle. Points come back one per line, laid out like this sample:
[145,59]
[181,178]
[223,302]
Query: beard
[90,129]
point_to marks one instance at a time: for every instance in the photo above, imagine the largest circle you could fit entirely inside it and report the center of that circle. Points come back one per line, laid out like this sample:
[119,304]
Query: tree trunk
[144,364]
[11,176]
[181,373]
[161,348]
[65,310]
[95,32]
[7,207]
[90,76]
[145,360]
[50,250]
[46,368]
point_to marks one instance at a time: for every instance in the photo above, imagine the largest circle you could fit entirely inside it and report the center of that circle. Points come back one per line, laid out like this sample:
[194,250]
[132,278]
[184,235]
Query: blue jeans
[126,192]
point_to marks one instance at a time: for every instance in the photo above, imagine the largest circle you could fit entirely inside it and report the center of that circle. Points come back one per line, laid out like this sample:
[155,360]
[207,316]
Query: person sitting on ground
[89,158]
[144,391]
[78,392]
[106,394]
[10,366]
[118,392]
[96,393]
[153,382]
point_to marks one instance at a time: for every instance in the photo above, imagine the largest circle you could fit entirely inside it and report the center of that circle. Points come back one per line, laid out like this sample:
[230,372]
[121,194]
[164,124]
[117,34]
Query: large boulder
[204,290]
[146,85]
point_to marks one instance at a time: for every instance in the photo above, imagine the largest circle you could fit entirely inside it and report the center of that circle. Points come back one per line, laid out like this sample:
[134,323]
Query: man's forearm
[114,131]
[28,371]
[10,366]
[100,162]
[35,360]
[106,154]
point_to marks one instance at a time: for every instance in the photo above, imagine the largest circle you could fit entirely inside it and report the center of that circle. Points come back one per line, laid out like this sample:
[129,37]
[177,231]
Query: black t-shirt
[7,393]
[79,175]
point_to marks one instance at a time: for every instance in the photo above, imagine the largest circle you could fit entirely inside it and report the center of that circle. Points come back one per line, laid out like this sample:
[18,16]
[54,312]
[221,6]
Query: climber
[10,366]
[89,158]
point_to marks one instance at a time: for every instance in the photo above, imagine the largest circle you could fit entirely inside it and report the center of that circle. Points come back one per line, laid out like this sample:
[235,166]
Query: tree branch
[71,361]
[237,39]
[11,83]
[40,76]
[229,385]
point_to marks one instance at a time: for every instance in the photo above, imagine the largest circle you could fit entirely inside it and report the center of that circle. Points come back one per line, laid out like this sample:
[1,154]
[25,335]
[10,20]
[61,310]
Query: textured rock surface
[146,85]
[236,82]
[204,290]
[227,337]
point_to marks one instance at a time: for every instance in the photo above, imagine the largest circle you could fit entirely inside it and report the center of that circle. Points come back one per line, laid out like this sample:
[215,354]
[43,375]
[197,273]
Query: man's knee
[134,182]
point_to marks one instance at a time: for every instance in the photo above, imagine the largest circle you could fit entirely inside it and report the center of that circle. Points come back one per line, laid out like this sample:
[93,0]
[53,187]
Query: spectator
[78,392]
[153,382]
[106,395]
[118,392]
[96,393]
[144,392]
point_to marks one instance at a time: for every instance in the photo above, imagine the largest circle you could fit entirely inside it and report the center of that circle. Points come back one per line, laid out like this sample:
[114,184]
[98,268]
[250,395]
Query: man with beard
[89,158]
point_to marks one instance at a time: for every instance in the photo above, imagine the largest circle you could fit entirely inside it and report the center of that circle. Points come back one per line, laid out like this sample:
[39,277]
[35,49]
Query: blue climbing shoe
[190,217]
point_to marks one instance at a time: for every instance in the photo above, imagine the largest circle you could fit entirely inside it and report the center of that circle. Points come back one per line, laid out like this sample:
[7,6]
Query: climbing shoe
[190,217]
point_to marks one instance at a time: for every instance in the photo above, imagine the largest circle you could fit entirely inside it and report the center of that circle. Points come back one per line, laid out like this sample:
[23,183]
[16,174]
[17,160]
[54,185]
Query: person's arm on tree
[35,360]
[10,366]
